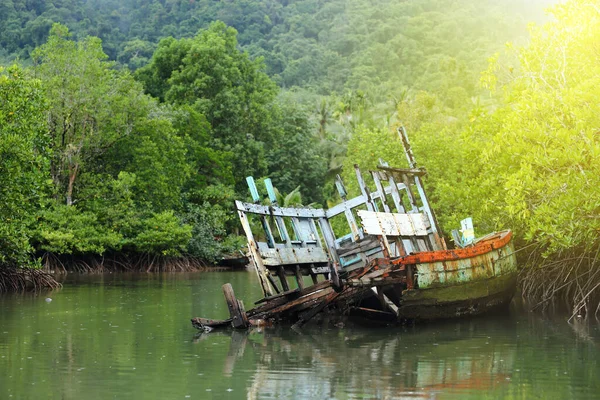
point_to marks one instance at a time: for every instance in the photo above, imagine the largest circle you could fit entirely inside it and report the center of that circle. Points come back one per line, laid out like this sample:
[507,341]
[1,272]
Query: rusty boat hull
[462,282]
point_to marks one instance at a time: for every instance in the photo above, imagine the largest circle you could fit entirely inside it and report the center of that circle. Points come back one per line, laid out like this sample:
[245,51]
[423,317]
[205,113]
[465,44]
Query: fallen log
[207,325]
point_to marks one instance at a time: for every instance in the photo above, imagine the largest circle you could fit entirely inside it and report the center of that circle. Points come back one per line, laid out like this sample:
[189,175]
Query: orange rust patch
[483,247]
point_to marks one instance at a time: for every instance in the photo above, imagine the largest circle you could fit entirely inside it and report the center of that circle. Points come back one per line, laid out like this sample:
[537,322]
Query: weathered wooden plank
[305,233]
[261,271]
[394,224]
[404,171]
[297,303]
[396,197]
[362,246]
[360,200]
[253,189]
[340,208]
[270,190]
[386,300]
[320,270]
[272,281]
[313,277]
[364,282]
[292,294]
[315,233]
[279,222]
[329,238]
[409,193]
[364,189]
[279,211]
[371,206]
[292,256]
[315,310]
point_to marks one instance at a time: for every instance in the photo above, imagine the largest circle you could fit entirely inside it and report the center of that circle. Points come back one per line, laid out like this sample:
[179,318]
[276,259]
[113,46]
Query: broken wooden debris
[299,305]
[208,325]
[237,314]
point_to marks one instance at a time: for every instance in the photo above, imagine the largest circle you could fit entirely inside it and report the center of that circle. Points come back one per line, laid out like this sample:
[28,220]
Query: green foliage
[68,230]
[212,76]
[210,215]
[91,105]
[544,142]
[23,162]
[117,158]
[233,101]
[291,199]
[163,234]
[295,157]
[156,155]
[130,175]
[123,162]
[522,160]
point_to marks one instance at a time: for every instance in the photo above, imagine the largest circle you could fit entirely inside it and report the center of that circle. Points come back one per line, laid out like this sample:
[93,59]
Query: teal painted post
[256,199]
[253,189]
[279,222]
[270,190]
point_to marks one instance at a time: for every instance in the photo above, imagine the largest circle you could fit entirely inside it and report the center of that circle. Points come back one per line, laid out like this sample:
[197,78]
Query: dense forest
[127,128]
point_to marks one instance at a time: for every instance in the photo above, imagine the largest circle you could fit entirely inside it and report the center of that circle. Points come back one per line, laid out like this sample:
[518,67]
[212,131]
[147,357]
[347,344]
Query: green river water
[129,337]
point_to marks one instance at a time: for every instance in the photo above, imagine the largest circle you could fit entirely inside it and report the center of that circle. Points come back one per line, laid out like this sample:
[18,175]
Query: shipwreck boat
[235,261]
[392,264]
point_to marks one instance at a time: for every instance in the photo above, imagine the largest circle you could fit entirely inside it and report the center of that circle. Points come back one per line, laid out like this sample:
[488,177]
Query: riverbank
[95,264]
[16,280]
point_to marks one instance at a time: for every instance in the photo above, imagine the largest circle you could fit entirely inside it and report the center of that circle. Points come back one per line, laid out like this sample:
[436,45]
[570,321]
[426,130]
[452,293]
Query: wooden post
[261,270]
[380,190]
[410,283]
[356,233]
[239,320]
[335,265]
[263,219]
[281,274]
[412,163]
[299,278]
[314,277]
[396,195]
[411,196]
[279,222]
[364,190]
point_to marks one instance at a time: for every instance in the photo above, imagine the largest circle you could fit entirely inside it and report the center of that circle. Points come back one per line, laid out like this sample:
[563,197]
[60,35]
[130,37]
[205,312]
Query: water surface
[129,337]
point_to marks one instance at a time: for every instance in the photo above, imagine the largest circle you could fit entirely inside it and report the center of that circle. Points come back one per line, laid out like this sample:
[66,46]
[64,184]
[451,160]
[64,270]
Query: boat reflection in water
[357,362]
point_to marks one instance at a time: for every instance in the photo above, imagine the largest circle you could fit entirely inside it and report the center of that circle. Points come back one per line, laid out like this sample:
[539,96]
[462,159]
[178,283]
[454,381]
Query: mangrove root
[26,279]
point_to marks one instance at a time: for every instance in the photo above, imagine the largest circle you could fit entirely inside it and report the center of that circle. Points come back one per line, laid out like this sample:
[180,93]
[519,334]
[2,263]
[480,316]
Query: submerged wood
[392,266]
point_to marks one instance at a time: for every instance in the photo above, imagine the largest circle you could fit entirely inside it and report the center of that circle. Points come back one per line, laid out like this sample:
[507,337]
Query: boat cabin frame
[396,220]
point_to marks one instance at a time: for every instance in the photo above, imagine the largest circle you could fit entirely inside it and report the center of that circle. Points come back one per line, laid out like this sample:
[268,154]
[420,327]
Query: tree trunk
[72,175]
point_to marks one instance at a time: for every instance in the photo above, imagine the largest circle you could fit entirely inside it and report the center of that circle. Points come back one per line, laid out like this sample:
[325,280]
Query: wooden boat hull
[467,299]
[238,262]
[454,283]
